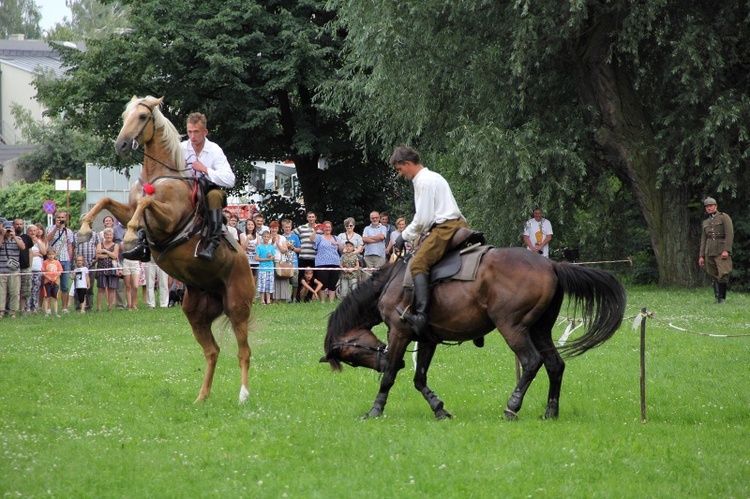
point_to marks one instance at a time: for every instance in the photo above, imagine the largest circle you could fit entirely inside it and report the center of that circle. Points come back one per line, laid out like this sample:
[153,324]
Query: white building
[21,61]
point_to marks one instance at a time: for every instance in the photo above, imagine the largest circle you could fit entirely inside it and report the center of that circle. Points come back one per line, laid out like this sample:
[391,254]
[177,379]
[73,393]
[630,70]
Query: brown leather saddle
[464,242]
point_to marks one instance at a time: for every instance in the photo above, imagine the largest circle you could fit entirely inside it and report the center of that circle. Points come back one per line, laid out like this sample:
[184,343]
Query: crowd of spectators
[54,271]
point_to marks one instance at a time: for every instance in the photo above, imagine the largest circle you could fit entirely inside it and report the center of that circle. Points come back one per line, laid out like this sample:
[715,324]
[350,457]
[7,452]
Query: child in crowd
[265,255]
[309,287]
[82,282]
[350,266]
[52,271]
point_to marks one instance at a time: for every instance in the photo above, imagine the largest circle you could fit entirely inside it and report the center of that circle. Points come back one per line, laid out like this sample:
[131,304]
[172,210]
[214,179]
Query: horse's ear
[135,97]
[159,100]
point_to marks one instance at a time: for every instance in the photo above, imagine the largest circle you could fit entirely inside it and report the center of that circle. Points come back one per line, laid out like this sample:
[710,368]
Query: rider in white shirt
[210,165]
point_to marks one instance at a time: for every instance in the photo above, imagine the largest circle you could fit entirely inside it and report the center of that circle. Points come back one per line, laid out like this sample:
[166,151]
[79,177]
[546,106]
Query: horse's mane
[359,310]
[170,137]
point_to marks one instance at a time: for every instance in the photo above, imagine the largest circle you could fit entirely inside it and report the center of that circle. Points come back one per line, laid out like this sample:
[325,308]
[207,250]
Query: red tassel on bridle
[148,189]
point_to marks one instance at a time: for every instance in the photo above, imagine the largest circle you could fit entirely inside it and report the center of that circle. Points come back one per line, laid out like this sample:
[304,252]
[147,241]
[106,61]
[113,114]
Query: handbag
[284,270]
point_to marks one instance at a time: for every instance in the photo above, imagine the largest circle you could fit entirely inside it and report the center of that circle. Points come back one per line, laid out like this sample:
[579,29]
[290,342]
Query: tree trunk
[310,182]
[625,136]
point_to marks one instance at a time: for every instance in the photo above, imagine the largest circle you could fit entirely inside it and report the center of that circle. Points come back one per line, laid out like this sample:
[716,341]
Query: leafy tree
[553,103]
[20,17]
[62,151]
[253,67]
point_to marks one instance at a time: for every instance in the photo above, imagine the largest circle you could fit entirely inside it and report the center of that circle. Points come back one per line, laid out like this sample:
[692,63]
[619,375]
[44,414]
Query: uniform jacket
[717,235]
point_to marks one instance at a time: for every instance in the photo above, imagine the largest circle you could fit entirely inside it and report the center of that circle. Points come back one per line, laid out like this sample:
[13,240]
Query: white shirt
[537,232]
[219,171]
[433,202]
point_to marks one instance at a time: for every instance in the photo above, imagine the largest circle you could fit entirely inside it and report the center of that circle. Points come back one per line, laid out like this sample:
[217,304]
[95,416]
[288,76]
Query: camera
[8,226]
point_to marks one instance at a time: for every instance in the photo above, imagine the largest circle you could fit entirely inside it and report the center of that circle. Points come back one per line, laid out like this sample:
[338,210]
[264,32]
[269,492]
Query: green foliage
[252,67]
[20,17]
[102,405]
[62,151]
[22,200]
[543,103]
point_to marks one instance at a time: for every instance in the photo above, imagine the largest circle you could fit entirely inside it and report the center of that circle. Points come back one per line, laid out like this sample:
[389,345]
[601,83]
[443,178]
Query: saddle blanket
[456,265]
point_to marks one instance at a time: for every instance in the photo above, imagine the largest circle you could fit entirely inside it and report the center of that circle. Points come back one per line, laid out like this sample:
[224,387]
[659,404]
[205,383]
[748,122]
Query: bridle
[136,147]
[379,350]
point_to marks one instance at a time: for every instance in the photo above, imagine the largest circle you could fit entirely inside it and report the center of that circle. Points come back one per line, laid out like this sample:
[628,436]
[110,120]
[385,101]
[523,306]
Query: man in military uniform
[717,236]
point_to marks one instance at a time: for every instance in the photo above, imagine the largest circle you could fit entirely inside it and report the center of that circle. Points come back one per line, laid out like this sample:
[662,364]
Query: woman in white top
[249,241]
[282,291]
[350,235]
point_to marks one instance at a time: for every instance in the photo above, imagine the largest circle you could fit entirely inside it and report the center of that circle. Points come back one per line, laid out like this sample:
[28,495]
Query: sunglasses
[349,226]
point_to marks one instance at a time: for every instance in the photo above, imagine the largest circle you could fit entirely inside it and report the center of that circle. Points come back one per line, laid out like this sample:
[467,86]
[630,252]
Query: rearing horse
[516,291]
[163,203]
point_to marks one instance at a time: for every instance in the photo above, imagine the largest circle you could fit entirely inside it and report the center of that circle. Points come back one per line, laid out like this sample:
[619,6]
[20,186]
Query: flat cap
[709,201]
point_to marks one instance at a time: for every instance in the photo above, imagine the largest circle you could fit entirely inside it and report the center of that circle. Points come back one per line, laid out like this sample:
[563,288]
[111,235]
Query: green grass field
[101,405]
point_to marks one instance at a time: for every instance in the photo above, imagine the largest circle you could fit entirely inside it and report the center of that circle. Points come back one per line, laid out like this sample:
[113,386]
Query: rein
[380,350]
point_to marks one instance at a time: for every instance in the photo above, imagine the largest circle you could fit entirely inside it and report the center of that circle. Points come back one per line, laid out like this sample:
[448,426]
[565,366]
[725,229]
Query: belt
[715,237]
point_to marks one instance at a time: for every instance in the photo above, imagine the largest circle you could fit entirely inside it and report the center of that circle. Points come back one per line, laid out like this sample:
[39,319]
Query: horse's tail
[601,298]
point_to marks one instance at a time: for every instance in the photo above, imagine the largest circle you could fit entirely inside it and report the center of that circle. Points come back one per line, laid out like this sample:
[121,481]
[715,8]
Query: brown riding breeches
[434,246]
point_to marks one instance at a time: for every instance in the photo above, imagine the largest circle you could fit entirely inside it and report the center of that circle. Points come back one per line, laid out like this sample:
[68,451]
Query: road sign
[49,207]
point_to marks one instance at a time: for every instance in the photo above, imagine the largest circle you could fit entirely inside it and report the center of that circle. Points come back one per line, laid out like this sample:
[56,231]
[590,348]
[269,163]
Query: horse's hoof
[548,415]
[244,395]
[374,413]
[510,415]
[443,414]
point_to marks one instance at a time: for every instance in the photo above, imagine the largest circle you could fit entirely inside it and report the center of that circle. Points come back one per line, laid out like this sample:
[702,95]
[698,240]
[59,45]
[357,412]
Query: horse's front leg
[425,352]
[162,213]
[396,350]
[122,212]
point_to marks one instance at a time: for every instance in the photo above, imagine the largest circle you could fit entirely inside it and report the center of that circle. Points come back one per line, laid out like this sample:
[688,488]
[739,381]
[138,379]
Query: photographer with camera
[10,279]
[61,238]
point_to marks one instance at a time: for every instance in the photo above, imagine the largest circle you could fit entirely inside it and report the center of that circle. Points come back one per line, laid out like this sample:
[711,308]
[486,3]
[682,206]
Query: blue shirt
[378,248]
[328,251]
[264,251]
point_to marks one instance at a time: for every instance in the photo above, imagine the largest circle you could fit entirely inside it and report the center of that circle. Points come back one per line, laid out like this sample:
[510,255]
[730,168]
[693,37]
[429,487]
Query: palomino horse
[516,291]
[163,202]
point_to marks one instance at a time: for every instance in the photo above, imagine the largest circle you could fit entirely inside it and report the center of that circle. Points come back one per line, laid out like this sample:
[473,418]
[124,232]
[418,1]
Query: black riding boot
[213,238]
[717,293]
[722,292]
[418,319]
[141,252]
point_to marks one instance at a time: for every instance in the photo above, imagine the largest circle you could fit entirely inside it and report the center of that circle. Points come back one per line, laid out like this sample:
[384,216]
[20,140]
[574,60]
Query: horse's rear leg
[555,367]
[201,309]
[425,352]
[238,311]
[531,361]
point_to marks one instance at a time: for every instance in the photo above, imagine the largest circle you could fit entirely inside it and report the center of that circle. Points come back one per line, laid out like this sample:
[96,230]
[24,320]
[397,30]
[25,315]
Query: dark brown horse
[163,201]
[516,291]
